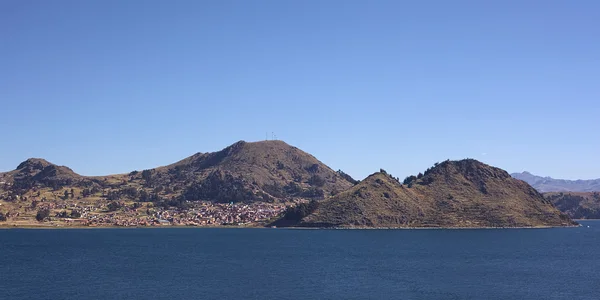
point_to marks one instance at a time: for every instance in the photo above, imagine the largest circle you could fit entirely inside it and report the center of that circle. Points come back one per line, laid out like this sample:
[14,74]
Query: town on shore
[71,213]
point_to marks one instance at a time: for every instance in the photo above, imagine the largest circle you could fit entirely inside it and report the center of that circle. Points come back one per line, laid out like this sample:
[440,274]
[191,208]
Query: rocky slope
[548,184]
[464,193]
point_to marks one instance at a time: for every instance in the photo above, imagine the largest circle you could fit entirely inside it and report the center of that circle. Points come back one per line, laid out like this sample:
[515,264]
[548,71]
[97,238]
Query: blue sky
[113,86]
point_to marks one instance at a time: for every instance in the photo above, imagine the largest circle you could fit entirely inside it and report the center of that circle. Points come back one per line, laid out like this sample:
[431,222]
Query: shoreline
[49,227]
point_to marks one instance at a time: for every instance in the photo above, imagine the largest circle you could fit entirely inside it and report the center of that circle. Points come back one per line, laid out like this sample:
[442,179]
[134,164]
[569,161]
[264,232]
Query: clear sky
[111,86]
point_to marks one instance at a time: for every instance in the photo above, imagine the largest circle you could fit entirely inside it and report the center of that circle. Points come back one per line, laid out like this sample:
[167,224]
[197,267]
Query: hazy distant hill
[548,184]
[464,193]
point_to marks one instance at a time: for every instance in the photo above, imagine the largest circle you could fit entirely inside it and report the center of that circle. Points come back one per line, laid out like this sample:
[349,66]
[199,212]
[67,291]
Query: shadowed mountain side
[577,205]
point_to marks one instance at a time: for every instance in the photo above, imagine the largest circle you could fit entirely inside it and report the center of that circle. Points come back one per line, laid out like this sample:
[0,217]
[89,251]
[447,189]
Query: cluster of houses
[97,212]
[207,213]
[200,214]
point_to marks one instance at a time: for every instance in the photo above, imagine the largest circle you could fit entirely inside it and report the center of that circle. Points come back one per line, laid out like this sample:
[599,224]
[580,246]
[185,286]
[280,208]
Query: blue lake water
[196,263]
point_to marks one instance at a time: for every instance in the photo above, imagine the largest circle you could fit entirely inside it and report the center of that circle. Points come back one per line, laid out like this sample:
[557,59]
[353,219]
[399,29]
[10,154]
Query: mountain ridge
[465,193]
[264,171]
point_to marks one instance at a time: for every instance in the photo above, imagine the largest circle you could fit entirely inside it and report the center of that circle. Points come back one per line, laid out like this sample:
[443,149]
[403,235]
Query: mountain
[37,172]
[259,171]
[577,205]
[464,193]
[269,171]
[548,184]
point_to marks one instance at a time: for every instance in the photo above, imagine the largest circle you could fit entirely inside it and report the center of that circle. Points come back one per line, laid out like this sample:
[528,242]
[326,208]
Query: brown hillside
[464,193]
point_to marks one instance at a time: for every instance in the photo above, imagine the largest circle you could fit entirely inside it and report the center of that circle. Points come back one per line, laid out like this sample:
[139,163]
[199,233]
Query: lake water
[196,263]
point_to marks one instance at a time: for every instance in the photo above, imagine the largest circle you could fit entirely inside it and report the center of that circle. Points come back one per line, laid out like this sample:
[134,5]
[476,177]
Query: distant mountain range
[548,184]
